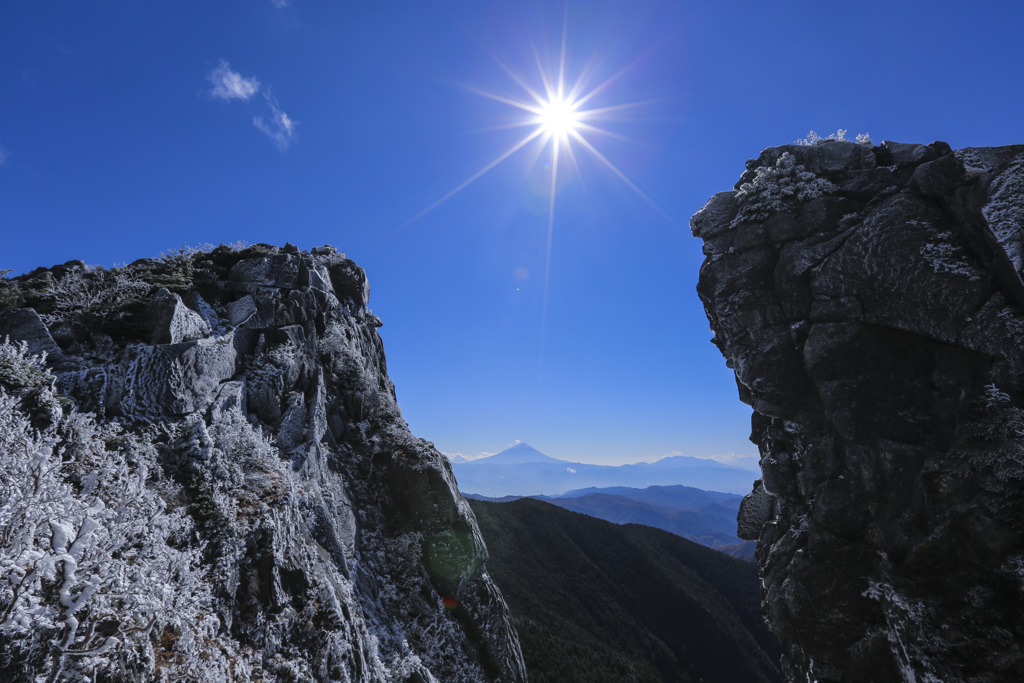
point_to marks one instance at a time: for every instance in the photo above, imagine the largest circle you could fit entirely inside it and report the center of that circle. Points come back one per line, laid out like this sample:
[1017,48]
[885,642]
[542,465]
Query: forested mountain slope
[596,601]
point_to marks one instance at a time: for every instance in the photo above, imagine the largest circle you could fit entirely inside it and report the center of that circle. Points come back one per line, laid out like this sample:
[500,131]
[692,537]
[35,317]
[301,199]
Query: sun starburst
[559,121]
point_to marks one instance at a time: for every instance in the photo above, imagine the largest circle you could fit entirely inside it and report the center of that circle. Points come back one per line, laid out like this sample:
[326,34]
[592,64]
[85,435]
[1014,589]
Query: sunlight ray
[622,176]
[604,84]
[627,105]
[509,152]
[548,90]
[505,100]
[580,125]
[534,154]
[572,159]
[537,97]
[547,254]
[561,60]
[505,126]
[581,80]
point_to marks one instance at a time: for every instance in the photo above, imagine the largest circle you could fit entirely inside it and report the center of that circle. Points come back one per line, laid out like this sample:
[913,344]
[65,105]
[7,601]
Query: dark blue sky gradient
[113,149]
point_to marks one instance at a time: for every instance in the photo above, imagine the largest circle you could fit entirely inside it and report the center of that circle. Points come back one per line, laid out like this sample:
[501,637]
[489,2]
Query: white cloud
[231,85]
[461,457]
[279,127]
[570,470]
[280,4]
[4,156]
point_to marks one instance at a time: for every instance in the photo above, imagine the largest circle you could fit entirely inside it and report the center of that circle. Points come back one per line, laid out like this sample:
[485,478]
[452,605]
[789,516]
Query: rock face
[870,300]
[211,480]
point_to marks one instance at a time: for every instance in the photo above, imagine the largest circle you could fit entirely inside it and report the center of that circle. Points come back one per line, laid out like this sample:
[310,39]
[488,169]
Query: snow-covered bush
[97,576]
[26,374]
[96,292]
[839,136]
[775,186]
[21,370]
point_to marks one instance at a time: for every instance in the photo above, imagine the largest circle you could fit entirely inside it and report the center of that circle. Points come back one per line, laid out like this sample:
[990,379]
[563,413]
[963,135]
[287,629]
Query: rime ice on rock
[243,499]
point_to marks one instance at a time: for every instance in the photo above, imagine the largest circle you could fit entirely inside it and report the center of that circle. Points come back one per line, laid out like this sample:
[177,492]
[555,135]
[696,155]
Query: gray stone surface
[171,321]
[336,542]
[876,331]
[25,325]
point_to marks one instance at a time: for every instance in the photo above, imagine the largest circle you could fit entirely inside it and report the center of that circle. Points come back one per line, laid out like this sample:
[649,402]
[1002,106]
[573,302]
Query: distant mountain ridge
[675,495]
[524,471]
[705,517]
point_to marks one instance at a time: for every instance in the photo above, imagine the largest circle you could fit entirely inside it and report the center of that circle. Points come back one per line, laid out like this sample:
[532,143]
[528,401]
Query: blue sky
[132,128]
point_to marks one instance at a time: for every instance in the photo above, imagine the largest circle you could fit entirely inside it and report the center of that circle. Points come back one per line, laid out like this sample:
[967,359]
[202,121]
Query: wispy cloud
[278,126]
[231,85]
[4,155]
[280,4]
[272,121]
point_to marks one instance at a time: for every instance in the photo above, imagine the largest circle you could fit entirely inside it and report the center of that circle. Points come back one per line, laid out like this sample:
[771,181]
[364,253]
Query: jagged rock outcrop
[870,300]
[209,478]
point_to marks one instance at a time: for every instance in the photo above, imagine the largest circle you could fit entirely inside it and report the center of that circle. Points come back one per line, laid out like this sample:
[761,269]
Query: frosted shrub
[775,186]
[839,136]
[20,369]
[26,373]
[90,568]
[189,250]
[97,292]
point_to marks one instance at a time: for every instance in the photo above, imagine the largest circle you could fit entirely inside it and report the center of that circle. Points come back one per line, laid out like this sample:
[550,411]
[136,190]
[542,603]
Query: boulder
[876,331]
[170,321]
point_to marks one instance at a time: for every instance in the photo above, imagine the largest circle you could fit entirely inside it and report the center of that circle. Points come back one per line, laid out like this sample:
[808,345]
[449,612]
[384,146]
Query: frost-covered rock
[209,479]
[875,325]
[171,321]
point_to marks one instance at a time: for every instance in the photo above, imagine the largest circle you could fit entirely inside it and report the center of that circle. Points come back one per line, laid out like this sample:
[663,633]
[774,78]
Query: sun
[557,117]
[560,118]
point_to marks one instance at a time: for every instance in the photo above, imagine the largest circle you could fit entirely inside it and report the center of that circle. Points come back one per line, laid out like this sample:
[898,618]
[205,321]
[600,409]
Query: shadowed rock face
[335,544]
[870,300]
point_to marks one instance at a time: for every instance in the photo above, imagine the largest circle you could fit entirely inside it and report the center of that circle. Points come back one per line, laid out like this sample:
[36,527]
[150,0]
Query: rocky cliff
[205,476]
[870,300]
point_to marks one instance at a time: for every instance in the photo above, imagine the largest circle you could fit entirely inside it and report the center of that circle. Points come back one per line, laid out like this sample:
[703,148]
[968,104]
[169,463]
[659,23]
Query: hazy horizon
[731,459]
